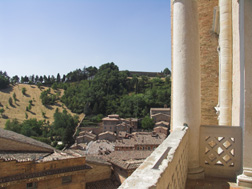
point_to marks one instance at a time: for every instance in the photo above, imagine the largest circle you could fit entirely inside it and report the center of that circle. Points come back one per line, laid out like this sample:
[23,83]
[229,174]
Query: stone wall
[10,168]
[209,62]
[77,182]
[45,174]
[98,172]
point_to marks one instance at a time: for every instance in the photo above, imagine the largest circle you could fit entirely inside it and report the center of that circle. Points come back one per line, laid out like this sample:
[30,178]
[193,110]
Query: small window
[138,148]
[148,148]
[66,179]
[31,185]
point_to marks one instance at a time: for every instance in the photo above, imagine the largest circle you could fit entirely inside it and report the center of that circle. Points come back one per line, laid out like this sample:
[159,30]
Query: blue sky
[46,37]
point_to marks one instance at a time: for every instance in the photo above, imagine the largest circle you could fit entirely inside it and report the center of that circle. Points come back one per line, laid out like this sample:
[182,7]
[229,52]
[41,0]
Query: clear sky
[46,37]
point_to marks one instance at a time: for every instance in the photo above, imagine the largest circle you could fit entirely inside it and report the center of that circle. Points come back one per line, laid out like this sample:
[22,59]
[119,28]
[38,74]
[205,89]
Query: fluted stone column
[245,179]
[225,43]
[186,78]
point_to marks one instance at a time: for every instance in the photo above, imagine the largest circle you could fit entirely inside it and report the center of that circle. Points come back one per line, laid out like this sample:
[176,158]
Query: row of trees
[73,76]
[62,129]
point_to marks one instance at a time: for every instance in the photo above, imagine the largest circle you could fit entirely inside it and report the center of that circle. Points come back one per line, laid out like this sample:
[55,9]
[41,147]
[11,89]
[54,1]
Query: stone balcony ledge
[166,167]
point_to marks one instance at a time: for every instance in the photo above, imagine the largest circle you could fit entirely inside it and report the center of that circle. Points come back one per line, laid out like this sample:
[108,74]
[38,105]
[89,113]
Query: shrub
[14,97]
[43,114]
[29,107]
[24,91]
[10,101]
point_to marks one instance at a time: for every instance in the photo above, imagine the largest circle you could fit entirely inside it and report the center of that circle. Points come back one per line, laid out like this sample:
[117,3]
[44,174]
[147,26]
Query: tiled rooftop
[129,160]
[141,138]
[22,156]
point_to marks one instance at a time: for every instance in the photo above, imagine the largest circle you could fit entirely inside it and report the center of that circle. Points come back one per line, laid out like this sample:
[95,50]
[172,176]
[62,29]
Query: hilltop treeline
[112,91]
[73,76]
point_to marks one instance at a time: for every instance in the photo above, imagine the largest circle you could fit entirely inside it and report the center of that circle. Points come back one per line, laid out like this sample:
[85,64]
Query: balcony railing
[220,156]
[221,150]
[166,167]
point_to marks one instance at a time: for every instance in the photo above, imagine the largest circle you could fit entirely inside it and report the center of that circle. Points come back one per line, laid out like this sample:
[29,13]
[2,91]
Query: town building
[211,99]
[110,136]
[28,163]
[85,137]
[160,114]
[116,124]
[161,129]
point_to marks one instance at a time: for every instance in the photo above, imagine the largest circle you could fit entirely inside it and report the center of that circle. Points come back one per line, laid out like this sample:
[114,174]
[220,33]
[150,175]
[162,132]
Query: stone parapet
[166,167]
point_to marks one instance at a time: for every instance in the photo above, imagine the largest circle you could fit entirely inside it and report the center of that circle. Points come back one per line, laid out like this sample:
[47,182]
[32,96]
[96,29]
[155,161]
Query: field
[18,109]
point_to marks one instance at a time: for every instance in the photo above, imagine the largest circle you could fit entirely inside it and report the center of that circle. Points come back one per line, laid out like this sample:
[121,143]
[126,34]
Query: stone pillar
[186,78]
[246,90]
[225,43]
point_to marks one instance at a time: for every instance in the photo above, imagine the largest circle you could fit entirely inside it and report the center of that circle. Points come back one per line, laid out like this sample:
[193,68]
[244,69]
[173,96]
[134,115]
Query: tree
[36,79]
[32,79]
[4,80]
[15,79]
[58,78]
[1,112]
[47,98]
[167,71]
[91,71]
[10,101]
[147,123]
[41,79]
[64,125]
[14,97]
[63,78]
[13,125]
[31,127]
[25,79]
[24,91]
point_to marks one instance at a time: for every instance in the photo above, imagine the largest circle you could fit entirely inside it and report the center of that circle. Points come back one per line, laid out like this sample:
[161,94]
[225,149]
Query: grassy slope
[19,108]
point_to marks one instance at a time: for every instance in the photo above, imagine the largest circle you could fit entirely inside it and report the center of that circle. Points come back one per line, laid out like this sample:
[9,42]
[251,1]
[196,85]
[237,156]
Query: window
[66,179]
[138,148]
[31,185]
[148,148]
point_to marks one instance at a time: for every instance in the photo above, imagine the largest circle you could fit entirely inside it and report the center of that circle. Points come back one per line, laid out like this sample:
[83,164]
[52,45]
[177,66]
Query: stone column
[246,90]
[225,43]
[186,78]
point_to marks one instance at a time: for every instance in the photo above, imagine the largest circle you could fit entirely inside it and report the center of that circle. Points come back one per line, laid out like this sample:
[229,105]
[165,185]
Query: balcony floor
[212,183]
